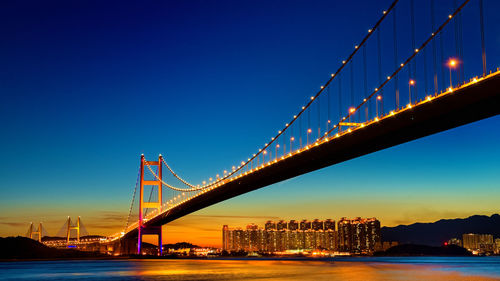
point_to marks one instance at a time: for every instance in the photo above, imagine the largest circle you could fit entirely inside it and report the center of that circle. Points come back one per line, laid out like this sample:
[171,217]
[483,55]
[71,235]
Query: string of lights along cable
[400,64]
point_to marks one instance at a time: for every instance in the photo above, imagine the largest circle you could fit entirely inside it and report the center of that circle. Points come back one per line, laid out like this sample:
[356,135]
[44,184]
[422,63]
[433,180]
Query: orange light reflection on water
[278,270]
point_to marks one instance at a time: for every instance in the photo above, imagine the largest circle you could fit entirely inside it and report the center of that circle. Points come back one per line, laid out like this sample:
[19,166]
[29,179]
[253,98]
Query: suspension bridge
[410,76]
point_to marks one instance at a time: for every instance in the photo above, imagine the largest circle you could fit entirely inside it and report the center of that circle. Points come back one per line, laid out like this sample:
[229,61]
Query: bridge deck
[468,104]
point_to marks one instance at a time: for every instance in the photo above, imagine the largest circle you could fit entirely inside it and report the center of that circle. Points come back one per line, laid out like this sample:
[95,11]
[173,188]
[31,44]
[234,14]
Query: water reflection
[453,269]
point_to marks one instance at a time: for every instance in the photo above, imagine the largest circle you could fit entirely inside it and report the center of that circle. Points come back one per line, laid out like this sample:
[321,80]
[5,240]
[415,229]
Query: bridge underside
[470,104]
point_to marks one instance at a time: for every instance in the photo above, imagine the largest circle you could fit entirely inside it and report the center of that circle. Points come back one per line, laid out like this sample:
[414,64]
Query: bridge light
[452,63]
[312,98]
[412,82]
[352,109]
[278,145]
[303,107]
[379,97]
[343,62]
[309,130]
[292,138]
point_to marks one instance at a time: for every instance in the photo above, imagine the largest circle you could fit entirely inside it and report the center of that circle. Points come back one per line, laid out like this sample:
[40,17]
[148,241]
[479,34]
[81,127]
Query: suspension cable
[407,61]
[132,203]
[175,175]
[170,186]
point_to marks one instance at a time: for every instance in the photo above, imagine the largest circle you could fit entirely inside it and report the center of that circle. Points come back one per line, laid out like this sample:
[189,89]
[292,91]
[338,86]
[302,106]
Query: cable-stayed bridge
[416,72]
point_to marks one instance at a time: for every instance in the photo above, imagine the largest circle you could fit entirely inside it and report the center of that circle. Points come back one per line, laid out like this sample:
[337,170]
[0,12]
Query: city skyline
[75,120]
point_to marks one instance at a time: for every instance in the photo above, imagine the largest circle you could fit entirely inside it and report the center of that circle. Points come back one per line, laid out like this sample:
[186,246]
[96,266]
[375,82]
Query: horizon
[80,77]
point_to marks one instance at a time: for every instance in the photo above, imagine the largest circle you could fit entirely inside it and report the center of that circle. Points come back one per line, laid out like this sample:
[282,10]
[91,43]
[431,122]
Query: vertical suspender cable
[434,51]
[379,50]
[441,46]
[396,86]
[367,109]
[413,64]
[461,45]
[352,83]
[319,116]
[483,49]
[328,110]
[340,100]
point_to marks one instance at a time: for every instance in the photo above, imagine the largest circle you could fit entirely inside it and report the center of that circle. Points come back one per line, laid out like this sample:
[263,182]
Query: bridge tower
[142,229]
[70,227]
[38,232]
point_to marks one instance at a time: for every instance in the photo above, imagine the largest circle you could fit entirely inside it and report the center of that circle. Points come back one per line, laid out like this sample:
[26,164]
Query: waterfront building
[478,243]
[293,225]
[357,236]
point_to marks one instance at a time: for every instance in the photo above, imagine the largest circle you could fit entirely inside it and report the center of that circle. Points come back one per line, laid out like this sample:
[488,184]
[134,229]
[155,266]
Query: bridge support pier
[144,229]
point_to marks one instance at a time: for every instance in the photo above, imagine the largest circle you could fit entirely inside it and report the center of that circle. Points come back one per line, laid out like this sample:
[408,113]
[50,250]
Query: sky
[87,86]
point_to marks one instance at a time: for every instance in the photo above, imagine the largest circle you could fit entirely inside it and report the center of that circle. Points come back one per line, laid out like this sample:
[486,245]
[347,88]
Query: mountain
[422,250]
[25,248]
[436,233]
[180,245]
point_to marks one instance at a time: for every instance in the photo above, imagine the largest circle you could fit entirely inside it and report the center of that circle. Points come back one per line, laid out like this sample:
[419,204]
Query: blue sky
[88,86]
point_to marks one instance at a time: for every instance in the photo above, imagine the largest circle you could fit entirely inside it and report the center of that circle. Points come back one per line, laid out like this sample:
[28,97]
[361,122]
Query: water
[422,268]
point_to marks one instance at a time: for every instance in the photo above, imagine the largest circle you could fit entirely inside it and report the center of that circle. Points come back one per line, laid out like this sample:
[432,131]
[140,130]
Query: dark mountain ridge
[436,233]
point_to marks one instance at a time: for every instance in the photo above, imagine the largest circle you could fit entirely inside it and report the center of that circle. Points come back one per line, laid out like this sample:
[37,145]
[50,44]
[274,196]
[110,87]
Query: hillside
[436,233]
[25,248]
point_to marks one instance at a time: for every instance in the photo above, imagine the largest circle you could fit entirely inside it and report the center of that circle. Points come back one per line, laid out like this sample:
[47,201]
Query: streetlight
[379,98]
[452,63]
[411,83]
[351,111]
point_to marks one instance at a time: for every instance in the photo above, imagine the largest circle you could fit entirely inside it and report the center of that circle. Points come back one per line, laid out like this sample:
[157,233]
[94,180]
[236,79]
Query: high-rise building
[317,225]
[281,225]
[480,243]
[497,246]
[305,225]
[293,240]
[270,225]
[344,235]
[329,224]
[225,238]
[293,225]
[373,233]
[356,236]
[252,236]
